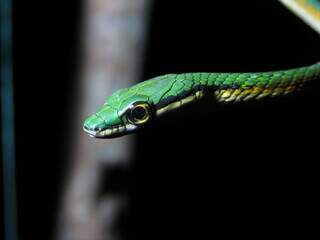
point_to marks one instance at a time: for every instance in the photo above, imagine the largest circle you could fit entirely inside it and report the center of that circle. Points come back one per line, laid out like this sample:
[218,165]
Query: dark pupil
[138,113]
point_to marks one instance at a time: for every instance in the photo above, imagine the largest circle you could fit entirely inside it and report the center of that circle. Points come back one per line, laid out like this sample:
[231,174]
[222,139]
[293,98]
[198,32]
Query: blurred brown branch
[113,44]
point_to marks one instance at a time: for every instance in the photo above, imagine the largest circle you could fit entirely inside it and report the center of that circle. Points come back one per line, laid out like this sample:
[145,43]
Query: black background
[246,170]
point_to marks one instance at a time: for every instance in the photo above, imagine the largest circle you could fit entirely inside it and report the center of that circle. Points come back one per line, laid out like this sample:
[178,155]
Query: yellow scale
[234,95]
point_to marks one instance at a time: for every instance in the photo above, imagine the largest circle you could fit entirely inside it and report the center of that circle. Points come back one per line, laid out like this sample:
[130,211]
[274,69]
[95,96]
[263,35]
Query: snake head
[121,114]
[128,109]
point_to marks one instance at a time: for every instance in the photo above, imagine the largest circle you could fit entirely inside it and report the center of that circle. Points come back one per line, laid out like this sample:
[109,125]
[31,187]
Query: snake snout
[93,125]
[93,128]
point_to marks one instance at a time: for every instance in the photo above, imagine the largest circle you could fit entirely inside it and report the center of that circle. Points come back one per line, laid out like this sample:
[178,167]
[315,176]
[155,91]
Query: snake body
[128,109]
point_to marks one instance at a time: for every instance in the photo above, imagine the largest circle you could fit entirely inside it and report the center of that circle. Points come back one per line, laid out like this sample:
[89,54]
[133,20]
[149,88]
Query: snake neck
[235,87]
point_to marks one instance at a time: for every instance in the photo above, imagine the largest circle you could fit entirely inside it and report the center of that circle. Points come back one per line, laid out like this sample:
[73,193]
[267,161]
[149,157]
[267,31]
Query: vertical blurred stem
[113,44]
[7,124]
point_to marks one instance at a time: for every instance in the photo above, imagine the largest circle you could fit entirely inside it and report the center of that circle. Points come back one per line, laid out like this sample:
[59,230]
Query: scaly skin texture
[128,109]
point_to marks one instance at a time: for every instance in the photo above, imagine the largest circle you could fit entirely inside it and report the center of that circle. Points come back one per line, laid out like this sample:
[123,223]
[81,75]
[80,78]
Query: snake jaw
[112,132]
[89,132]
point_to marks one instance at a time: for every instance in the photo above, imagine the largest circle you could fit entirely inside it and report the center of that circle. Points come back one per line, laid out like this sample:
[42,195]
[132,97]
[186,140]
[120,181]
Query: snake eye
[139,114]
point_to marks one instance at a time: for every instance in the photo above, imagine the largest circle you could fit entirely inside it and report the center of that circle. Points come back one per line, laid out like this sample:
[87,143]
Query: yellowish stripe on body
[245,94]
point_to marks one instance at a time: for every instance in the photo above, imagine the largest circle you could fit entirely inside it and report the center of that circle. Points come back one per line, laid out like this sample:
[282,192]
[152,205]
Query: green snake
[128,109]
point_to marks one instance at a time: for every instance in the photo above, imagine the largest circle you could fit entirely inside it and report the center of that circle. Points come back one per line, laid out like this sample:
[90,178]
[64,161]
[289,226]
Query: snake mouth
[112,131]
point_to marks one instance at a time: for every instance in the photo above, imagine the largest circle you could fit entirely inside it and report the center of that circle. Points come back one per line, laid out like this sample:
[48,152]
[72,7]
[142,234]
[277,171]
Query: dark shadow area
[46,47]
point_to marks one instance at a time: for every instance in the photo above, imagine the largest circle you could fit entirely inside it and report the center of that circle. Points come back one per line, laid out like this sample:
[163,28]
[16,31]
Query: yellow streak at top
[306,11]
[310,9]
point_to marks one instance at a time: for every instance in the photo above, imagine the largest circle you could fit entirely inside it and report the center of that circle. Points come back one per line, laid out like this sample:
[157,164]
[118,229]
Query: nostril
[96,129]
